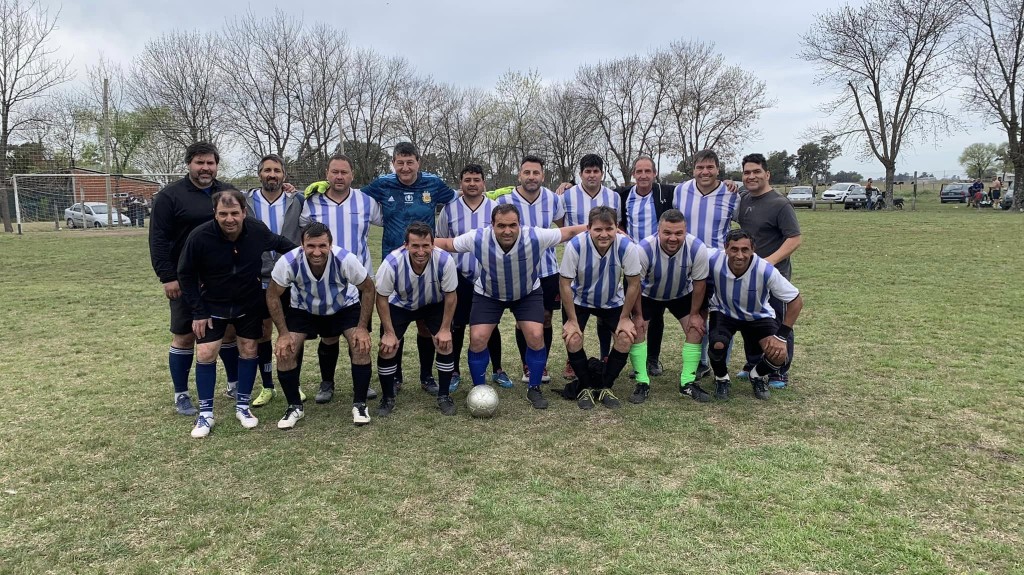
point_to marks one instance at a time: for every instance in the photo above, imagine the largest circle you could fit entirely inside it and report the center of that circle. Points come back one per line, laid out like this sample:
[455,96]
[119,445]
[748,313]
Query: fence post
[17,204]
[913,203]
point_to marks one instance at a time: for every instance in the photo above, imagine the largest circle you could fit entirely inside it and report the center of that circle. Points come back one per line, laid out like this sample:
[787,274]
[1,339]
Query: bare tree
[178,72]
[886,58]
[261,62]
[70,124]
[370,89]
[568,128]
[512,130]
[627,100]
[417,114]
[27,71]
[459,131]
[710,105]
[991,55]
[319,99]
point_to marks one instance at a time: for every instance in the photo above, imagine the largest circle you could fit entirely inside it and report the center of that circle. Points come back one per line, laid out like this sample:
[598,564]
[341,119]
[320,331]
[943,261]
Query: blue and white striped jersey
[398,281]
[597,279]
[578,203]
[457,218]
[746,297]
[328,294]
[540,213]
[666,277]
[349,221]
[511,275]
[707,217]
[641,215]
[270,213]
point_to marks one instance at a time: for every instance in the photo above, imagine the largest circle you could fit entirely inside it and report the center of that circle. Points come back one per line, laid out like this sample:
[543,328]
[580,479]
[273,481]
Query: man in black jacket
[177,210]
[220,281]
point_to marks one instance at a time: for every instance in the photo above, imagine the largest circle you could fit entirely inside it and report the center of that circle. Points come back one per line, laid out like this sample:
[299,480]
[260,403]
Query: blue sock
[536,359]
[478,361]
[247,367]
[179,361]
[206,381]
[229,355]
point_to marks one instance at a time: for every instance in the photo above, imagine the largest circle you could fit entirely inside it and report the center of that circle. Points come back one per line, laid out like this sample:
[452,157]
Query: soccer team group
[235,264]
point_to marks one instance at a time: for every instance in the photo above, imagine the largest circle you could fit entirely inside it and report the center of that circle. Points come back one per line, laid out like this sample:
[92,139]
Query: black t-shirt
[770,219]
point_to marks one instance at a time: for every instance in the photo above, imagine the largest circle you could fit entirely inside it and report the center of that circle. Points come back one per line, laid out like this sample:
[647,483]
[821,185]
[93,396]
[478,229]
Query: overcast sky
[473,43]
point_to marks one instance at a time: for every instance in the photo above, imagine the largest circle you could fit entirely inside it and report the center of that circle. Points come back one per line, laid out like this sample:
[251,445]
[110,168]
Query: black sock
[398,356]
[360,382]
[386,369]
[493,346]
[290,385]
[458,339]
[578,361]
[265,356]
[425,347]
[604,338]
[655,333]
[616,361]
[445,363]
[521,344]
[549,336]
[328,355]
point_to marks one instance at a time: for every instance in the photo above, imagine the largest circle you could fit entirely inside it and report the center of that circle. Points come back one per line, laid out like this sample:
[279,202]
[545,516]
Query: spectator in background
[871,192]
[975,191]
[996,189]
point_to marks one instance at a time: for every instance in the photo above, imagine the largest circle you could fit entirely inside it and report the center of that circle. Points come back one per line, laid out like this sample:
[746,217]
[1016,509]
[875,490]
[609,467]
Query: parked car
[955,193]
[856,199]
[1006,201]
[801,196]
[94,215]
[838,192]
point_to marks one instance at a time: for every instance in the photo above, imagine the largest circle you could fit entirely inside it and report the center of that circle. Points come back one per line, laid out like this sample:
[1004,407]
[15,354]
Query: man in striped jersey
[579,200]
[416,282]
[470,211]
[348,213]
[331,296]
[675,267]
[280,212]
[709,207]
[511,258]
[538,207]
[743,282]
[594,267]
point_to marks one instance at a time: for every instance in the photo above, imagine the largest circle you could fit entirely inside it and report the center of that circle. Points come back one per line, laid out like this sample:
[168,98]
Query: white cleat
[359,414]
[245,416]
[203,426]
[291,416]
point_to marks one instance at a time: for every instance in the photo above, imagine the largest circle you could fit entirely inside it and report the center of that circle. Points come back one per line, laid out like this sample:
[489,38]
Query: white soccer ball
[482,401]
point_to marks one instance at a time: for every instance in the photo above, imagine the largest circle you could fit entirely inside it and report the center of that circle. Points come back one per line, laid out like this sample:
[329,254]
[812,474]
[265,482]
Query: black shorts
[552,297]
[489,310]
[286,301]
[334,325]
[181,317]
[249,326]
[607,317]
[679,307]
[464,293]
[723,328]
[432,315]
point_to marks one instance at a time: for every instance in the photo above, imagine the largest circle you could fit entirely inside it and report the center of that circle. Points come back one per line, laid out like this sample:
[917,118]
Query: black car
[1006,201]
[955,193]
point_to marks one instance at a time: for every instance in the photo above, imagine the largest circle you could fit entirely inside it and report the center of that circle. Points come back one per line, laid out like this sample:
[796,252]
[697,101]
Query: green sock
[638,356]
[691,358]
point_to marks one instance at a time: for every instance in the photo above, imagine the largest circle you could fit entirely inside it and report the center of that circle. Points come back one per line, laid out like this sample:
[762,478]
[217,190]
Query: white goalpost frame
[74,193]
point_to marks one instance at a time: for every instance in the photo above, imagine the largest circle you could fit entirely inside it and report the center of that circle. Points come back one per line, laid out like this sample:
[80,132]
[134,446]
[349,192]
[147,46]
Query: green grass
[896,449]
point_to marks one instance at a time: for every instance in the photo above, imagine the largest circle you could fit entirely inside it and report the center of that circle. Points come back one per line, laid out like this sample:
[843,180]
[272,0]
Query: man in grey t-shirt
[769,217]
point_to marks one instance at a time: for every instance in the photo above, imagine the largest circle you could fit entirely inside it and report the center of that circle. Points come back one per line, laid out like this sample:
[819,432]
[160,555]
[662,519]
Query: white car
[94,215]
[838,192]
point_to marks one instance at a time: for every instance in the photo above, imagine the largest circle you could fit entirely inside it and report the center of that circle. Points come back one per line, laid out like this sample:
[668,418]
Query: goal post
[85,199]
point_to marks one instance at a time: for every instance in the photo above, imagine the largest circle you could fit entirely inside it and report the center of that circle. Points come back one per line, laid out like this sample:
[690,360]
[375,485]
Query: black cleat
[387,405]
[640,393]
[760,385]
[654,368]
[695,391]
[722,389]
[585,400]
[536,398]
[446,404]
[703,370]
[608,399]
[326,393]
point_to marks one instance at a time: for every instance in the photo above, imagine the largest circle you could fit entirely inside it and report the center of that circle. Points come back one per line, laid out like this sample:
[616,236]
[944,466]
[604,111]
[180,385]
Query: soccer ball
[482,401]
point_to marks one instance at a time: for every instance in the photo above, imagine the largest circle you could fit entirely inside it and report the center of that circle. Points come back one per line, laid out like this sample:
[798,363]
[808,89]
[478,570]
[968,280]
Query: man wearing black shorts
[219,275]
[331,296]
[416,282]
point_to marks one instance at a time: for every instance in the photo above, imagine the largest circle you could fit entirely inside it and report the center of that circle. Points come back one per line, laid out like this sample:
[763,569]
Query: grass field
[896,449]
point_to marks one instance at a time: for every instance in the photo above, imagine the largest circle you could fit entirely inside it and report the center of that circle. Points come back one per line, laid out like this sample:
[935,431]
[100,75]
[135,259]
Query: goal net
[85,199]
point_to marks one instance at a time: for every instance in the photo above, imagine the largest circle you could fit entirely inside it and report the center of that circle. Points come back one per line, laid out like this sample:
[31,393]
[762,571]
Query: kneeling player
[416,282]
[593,268]
[331,296]
[743,282]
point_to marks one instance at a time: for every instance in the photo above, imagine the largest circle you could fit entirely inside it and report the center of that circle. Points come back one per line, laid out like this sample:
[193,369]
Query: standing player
[177,210]
[348,213]
[771,221]
[510,259]
[280,212]
[219,276]
[674,268]
[331,296]
[470,211]
[743,282]
[594,267]
[538,207]
[416,282]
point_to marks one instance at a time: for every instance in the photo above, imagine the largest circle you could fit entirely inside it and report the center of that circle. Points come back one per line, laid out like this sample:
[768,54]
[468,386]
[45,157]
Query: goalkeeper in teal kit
[406,196]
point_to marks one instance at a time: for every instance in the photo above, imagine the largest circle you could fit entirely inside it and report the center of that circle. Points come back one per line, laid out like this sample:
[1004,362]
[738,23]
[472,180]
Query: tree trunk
[5,210]
[890,179]
[1018,185]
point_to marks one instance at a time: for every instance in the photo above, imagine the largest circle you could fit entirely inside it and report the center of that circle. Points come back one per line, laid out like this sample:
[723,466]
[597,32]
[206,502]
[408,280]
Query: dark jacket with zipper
[177,209]
[290,229]
[220,277]
[662,193]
